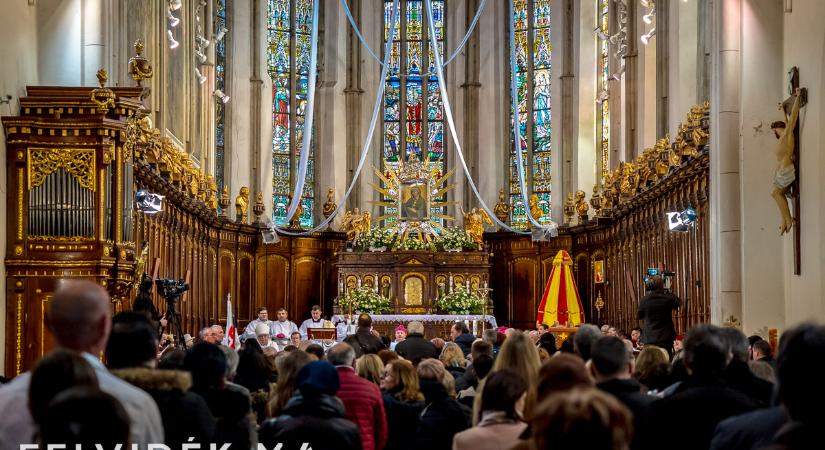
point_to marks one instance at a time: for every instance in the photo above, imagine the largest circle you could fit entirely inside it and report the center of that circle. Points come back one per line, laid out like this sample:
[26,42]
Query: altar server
[282,328]
[316,321]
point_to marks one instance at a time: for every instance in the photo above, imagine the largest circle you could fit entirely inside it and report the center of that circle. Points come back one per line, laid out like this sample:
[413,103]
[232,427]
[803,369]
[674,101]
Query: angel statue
[355,224]
[474,224]
[535,209]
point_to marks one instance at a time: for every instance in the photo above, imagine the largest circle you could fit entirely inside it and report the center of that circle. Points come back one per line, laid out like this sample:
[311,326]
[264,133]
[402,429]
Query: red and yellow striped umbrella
[561,305]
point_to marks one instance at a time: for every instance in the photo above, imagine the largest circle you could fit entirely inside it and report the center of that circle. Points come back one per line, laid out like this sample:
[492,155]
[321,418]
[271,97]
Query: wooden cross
[787,104]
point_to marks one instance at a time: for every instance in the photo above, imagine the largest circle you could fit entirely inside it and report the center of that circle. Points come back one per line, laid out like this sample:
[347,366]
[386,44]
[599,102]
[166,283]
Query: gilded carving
[413,291]
[18,357]
[241,205]
[103,97]
[139,67]
[80,163]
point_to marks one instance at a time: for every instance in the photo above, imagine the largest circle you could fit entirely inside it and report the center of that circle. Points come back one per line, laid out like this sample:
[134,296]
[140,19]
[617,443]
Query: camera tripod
[173,319]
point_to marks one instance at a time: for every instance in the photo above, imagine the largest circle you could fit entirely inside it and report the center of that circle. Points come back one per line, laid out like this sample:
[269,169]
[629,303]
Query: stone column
[587,147]
[761,89]
[725,183]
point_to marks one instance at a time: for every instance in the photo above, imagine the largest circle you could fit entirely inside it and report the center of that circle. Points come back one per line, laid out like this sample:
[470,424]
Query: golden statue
[569,208]
[211,193]
[139,67]
[295,220]
[581,206]
[785,173]
[330,206]
[535,210]
[596,200]
[474,224]
[355,224]
[241,205]
[502,208]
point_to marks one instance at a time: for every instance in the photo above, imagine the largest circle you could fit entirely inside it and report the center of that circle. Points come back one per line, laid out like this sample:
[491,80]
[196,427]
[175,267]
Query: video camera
[171,289]
[667,277]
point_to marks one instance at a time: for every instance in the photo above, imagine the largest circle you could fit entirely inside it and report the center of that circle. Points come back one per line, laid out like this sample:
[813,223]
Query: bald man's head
[79,316]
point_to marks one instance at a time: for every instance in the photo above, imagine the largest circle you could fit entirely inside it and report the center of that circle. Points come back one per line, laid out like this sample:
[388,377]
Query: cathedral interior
[291,153]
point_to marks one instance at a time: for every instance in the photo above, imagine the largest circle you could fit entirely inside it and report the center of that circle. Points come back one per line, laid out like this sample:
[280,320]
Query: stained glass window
[220,83]
[413,109]
[602,86]
[532,72]
[289,29]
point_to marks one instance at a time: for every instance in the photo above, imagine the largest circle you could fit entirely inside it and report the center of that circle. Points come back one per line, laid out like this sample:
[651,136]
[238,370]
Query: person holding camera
[656,309]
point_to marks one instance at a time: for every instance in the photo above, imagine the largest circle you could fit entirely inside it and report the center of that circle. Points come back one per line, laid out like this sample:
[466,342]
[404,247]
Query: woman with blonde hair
[520,355]
[453,358]
[369,367]
[403,403]
[288,368]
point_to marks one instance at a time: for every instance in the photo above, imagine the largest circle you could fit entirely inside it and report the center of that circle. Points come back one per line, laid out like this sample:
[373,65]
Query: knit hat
[318,377]
[261,329]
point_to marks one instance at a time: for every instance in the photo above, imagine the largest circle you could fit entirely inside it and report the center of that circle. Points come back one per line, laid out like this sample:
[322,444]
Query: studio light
[648,18]
[201,78]
[646,37]
[201,56]
[173,21]
[173,44]
[221,33]
[175,5]
[681,221]
[147,202]
[221,96]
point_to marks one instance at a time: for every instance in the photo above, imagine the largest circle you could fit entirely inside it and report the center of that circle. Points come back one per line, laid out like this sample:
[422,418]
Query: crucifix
[786,178]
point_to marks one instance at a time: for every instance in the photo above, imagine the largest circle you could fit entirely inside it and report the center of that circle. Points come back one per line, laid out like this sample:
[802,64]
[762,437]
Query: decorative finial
[139,67]
[103,97]
[225,201]
[258,209]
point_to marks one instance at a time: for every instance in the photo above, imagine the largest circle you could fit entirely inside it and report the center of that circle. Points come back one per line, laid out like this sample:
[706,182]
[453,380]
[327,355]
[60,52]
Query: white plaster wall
[646,117]
[237,162]
[18,33]
[761,90]
[493,118]
[60,55]
[804,47]
[684,22]
[586,125]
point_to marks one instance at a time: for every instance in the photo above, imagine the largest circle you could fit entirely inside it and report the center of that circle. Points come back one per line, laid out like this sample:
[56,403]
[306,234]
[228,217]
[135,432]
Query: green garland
[461,301]
[364,299]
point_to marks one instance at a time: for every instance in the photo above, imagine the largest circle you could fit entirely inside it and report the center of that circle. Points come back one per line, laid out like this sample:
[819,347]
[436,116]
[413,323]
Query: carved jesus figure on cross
[786,170]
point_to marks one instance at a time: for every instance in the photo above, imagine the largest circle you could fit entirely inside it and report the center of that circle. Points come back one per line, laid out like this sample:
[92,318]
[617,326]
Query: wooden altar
[413,279]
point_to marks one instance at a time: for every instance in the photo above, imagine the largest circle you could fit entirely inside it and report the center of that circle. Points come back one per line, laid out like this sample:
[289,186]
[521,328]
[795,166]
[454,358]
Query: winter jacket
[415,348]
[364,342]
[739,376]
[184,414]
[441,418]
[494,432]
[465,341]
[364,406]
[234,422]
[402,421]
[629,392]
[318,421]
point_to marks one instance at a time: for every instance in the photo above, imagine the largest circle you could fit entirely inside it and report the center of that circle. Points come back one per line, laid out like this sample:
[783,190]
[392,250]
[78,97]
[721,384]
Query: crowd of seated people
[505,389]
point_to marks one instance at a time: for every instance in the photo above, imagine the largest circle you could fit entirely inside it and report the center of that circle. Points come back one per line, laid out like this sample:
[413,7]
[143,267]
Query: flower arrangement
[461,301]
[376,238]
[364,299]
[455,238]
[412,243]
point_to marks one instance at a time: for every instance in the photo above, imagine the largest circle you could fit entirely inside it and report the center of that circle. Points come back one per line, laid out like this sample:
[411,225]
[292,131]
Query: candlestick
[376,282]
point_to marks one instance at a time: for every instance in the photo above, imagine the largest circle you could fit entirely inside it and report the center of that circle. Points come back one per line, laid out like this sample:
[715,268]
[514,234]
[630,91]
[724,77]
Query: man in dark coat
[130,354]
[656,310]
[415,348]
[363,341]
[461,336]
[314,415]
[750,431]
[738,375]
[702,400]
[612,367]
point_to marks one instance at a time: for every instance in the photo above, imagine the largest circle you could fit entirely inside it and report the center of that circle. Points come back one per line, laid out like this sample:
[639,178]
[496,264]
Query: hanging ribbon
[379,96]
[309,116]
[455,53]
[439,67]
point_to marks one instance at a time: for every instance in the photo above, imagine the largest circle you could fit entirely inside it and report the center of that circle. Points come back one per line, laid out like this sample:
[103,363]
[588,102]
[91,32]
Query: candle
[475,327]
[376,282]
